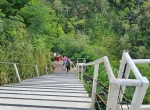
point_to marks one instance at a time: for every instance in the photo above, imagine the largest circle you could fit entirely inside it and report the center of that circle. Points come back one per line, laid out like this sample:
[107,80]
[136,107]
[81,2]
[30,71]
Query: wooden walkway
[57,91]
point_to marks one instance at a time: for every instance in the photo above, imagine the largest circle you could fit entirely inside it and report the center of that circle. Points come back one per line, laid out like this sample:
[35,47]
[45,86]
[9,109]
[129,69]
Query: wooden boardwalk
[57,91]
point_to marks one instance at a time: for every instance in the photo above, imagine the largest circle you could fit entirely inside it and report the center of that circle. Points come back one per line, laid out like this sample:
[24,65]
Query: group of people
[65,61]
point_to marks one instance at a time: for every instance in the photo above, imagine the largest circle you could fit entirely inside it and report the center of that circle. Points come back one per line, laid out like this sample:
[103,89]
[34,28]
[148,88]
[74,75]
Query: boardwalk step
[34,107]
[47,98]
[43,90]
[54,103]
[59,91]
[46,93]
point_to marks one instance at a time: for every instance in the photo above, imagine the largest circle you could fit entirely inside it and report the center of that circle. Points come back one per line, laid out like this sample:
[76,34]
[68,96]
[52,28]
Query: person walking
[58,57]
[68,63]
[64,59]
[54,55]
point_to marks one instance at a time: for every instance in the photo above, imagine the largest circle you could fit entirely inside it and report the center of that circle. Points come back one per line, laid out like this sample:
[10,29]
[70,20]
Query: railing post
[37,70]
[51,68]
[78,70]
[82,73]
[139,94]
[17,73]
[124,71]
[112,99]
[96,68]
[46,70]
[122,66]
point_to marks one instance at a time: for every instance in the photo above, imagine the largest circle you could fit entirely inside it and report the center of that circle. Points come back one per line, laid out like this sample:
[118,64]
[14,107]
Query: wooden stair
[57,91]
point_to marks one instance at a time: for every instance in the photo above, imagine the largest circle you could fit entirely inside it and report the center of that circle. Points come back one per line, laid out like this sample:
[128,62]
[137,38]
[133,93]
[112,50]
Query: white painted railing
[16,69]
[128,64]
[80,67]
[117,84]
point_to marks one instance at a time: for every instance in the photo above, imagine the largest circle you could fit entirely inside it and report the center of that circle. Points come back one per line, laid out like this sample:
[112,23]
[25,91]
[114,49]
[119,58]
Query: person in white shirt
[55,55]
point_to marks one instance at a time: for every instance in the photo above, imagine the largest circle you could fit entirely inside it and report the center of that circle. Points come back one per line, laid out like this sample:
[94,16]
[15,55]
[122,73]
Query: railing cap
[80,64]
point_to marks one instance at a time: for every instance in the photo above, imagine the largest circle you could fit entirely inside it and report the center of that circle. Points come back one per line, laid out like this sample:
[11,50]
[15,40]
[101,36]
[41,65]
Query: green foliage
[79,48]
[30,29]
[41,22]
[18,44]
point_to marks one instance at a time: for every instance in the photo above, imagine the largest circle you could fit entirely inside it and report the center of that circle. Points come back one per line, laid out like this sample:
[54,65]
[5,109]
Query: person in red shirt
[58,57]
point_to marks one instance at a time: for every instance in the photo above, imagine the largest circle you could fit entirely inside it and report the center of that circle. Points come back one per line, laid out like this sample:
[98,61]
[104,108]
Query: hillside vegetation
[31,29]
